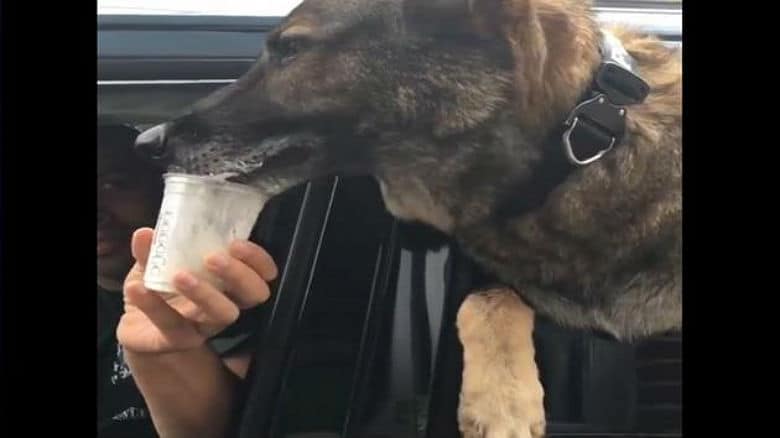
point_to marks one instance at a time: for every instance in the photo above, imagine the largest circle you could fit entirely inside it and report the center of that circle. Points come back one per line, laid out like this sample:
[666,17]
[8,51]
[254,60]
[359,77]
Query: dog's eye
[288,48]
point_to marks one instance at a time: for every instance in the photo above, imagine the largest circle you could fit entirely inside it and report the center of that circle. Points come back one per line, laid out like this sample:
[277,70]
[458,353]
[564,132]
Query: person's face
[129,194]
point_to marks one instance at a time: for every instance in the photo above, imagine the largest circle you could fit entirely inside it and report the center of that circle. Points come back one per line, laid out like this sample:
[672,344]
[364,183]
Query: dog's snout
[152,143]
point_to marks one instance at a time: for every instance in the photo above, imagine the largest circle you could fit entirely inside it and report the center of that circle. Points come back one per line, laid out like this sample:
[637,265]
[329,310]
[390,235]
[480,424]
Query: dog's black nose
[152,143]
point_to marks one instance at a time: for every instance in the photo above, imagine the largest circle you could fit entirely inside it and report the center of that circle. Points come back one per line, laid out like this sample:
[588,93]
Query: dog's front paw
[501,395]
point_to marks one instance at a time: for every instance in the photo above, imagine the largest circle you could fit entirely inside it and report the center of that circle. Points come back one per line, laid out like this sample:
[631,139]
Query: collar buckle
[598,124]
[593,128]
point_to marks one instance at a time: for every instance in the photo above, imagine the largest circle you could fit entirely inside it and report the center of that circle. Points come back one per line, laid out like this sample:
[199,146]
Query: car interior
[358,339]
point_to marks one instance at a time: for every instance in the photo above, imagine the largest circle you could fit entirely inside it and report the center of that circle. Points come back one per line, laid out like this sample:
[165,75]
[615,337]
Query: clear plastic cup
[199,215]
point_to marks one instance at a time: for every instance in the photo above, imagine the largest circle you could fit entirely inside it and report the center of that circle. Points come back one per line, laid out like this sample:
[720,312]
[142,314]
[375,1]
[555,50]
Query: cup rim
[211,181]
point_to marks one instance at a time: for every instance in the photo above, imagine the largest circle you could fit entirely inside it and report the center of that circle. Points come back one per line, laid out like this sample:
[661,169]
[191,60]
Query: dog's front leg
[501,395]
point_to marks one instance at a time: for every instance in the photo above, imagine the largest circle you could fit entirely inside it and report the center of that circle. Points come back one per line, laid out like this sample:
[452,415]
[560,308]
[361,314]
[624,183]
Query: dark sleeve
[239,337]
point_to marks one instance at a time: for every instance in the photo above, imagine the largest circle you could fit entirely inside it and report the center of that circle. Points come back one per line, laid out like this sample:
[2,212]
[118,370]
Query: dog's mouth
[268,164]
[290,157]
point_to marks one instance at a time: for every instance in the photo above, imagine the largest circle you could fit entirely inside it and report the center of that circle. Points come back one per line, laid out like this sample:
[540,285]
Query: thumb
[141,245]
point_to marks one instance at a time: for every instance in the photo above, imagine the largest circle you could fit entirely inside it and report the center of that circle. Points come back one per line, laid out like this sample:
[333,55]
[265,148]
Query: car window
[283,7]
[262,8]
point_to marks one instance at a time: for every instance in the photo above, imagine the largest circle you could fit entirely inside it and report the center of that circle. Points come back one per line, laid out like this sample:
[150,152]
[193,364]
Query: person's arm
[188,388]
[188,393]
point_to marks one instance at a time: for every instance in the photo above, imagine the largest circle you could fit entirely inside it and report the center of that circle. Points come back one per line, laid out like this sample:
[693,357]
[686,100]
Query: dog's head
[355,86]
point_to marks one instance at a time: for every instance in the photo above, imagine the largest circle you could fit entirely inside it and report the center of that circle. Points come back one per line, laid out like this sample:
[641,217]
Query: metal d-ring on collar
[598,123]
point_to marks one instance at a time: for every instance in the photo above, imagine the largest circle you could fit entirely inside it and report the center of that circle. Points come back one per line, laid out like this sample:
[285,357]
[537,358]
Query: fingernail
[186,280]
[218,261]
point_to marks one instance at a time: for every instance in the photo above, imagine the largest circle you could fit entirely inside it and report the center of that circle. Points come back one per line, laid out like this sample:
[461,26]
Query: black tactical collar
[598,123]
[594,127]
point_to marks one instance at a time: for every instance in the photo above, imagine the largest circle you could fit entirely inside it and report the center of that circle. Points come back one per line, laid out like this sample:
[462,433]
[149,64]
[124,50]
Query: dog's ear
[448,17]
[554,43]
[483,18]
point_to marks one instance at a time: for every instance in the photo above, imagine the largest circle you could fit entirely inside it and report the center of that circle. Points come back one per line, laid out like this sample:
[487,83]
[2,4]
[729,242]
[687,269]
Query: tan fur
[421,205]
[555,45]
[501,396]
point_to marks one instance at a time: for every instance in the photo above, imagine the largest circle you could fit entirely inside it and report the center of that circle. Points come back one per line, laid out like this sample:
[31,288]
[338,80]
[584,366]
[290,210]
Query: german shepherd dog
[457,108]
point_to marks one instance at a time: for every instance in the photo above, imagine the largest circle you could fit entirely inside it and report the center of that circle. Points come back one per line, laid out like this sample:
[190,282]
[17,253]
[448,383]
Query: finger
[217,308]
[256,257]
[243,284]
[163,316]
[141,245]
